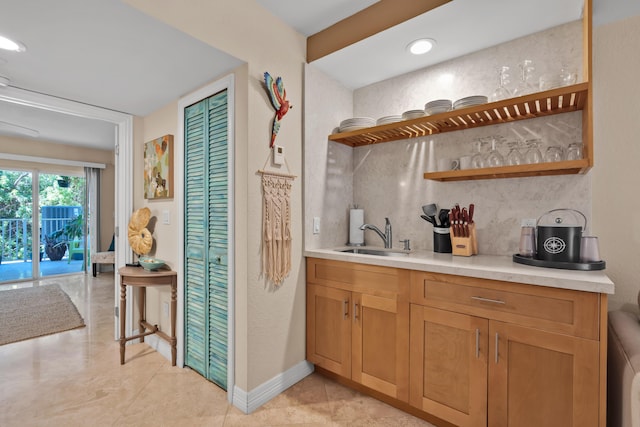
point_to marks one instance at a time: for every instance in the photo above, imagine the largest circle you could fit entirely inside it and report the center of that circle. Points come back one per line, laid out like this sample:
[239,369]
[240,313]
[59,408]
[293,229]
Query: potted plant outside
[59,240]
[54,247]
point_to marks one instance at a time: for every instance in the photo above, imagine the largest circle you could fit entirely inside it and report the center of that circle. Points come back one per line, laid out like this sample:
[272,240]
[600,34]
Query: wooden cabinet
[329,329]
[539,378]
[360,334]
[449,365]
[470,352]
[505,354]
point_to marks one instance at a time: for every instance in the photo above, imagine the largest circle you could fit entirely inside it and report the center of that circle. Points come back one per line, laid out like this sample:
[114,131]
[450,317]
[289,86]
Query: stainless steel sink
[378,252]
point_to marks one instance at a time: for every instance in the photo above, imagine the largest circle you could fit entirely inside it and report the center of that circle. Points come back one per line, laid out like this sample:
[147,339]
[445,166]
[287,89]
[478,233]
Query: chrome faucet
[386,237]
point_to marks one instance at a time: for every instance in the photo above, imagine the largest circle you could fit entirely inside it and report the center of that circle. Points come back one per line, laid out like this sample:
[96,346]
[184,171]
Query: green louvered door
[206,235]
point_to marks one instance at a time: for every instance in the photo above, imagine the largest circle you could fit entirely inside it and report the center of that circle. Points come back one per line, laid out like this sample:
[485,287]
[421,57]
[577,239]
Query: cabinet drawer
[559,310]
[374,280]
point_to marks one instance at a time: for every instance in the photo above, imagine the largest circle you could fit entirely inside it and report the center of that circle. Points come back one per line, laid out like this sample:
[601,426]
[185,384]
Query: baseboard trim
[248,402]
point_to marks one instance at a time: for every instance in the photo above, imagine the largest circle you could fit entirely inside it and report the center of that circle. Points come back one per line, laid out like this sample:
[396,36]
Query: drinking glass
[567,76]
[526,85]
[527,247]
[554,153]
[589,251]
[514,157]
[478,159]
[501,91]
[494,158]
[550,81]
[533,154]
[574,152]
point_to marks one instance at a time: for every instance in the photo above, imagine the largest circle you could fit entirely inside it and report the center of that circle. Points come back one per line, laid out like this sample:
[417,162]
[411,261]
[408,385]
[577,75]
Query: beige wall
[156,125]
[29,147]
[616,174]
[270,323]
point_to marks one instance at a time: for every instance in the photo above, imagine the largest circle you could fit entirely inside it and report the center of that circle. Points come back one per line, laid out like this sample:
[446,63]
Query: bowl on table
[151,264]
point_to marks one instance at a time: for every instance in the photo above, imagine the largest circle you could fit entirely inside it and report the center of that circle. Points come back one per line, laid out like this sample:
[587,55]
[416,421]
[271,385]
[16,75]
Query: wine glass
[533,154]
[501,91]
[525,86]
[514,157]
[494,158]
[574,151]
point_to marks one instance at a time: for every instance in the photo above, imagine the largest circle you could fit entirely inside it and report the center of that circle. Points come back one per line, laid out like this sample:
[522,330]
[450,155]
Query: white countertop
[480,266]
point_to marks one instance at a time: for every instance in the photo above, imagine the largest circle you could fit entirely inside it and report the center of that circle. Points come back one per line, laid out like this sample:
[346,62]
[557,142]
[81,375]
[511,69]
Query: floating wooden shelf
[556,101]
[541,169]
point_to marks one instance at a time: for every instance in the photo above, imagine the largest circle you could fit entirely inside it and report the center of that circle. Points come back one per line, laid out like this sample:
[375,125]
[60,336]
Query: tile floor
[74,379]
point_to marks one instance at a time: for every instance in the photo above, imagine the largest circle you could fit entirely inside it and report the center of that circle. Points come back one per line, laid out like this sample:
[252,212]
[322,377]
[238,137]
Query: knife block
[465,246]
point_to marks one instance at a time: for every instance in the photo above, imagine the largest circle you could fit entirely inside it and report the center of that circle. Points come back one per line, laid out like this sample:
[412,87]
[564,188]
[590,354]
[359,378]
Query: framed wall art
[158,168]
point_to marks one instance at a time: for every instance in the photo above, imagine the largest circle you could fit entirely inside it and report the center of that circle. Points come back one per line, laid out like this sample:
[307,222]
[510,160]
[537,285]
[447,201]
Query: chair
[623,374]
[108,257]
[75,247]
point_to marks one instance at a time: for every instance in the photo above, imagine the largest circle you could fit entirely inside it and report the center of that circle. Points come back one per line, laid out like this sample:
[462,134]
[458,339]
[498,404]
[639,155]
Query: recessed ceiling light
[421,46]
[8,44]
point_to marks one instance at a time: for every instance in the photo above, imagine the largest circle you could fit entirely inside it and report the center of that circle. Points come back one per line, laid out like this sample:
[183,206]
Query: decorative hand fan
[140,238]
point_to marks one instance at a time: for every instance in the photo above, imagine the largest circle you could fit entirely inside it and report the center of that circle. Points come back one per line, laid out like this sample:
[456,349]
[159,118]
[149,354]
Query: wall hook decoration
[278,96]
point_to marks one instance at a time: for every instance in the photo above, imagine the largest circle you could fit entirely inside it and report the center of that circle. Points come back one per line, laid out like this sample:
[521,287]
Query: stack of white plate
[412,114]
[388,119]
[470,101]
[356,123]
[437,106]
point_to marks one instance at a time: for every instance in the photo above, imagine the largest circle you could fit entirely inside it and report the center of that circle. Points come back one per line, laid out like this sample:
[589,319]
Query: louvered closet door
[206,233]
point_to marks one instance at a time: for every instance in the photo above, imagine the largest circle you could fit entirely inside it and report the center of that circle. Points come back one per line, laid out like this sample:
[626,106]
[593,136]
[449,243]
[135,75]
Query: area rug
[33,312]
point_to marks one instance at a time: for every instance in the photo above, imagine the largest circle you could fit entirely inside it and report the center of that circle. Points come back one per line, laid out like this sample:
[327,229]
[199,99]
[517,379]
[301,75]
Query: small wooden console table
[141,278]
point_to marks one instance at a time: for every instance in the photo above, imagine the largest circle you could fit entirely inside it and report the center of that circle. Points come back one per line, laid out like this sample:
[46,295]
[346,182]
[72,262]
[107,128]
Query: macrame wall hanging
[276,225]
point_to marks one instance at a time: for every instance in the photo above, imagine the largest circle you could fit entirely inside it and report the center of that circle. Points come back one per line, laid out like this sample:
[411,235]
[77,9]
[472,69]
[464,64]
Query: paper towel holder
[356,236]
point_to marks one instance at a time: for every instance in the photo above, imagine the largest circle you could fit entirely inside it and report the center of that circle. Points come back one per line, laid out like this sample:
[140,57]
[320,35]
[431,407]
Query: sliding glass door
[16,225]
[57,245]
[62,210]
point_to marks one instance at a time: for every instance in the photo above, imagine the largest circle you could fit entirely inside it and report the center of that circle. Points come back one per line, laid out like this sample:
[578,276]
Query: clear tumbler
[527,242]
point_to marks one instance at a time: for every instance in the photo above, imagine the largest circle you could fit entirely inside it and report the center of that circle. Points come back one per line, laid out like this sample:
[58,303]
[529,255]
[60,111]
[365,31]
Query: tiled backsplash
[387,179]
[388,182]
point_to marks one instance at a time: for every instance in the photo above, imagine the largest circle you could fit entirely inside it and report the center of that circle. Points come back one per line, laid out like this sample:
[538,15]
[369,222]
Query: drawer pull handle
[495,301]
[355,311]
[497,341]
[477,343]
[346,308]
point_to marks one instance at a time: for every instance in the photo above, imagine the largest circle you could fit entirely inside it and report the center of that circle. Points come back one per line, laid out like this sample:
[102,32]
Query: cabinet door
[381,344]
[329,329]
[448,371]
[539,378]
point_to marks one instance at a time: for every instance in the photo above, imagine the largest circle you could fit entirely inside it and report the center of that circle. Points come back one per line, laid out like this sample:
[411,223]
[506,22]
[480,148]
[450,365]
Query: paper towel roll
[356,219]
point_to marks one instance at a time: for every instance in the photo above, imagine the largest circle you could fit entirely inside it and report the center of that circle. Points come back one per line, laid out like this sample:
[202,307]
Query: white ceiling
[105,53]
[102,53]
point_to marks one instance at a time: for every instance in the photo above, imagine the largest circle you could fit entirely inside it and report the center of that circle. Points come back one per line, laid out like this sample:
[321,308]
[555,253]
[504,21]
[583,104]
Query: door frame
[123,148]
[225,83]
